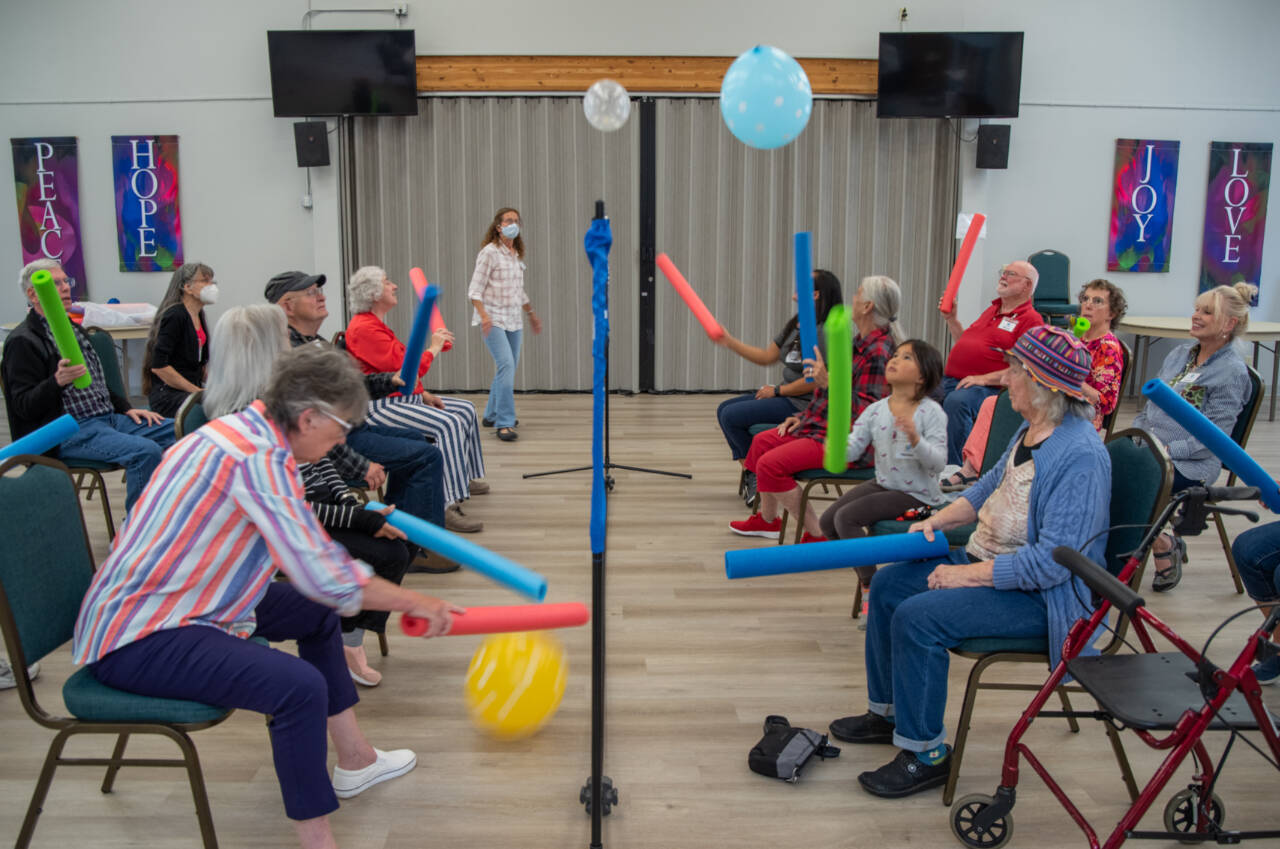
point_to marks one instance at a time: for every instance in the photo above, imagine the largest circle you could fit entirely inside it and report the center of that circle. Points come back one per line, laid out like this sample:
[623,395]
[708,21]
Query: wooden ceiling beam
[574,74]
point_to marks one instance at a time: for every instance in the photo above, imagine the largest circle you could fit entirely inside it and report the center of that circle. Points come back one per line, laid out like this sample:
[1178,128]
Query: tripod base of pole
[608,795]
[608,478]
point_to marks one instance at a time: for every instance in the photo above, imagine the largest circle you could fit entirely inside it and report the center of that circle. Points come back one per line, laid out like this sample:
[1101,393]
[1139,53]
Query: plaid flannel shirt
[870,355]
[94,399]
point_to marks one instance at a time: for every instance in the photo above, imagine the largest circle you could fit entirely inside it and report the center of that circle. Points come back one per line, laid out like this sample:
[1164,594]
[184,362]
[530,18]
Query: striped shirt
[222,512]
[498,283]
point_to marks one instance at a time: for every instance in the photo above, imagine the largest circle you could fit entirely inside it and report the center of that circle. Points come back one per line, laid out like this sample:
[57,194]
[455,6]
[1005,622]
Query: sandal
[1168,577]
[958,482]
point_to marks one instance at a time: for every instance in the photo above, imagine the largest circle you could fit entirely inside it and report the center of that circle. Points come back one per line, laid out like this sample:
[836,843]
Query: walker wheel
[1180,813]
[963,814]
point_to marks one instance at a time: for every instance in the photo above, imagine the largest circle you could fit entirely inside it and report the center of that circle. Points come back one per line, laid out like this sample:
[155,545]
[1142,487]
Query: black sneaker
[868,728]
[487,422]
[904,775]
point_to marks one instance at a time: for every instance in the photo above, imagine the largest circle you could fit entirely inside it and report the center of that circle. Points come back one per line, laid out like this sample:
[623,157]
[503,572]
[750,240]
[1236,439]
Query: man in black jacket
[38,389]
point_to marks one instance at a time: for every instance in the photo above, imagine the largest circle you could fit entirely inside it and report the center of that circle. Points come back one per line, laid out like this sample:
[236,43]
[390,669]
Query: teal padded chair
[1052,297]
[833,487]
[44,575]
[1240,435]
[190,415]
[105,347]
[1141,479]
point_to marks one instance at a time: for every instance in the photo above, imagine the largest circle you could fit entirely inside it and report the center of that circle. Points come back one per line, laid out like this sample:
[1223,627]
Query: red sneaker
[808,537]
[756,526]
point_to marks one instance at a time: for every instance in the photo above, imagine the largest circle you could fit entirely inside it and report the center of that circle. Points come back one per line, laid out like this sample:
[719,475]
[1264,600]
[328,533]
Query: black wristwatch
[777,390]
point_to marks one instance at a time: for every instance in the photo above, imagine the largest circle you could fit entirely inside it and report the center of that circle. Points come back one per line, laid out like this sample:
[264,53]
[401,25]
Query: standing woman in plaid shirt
[497,293]
[777,454]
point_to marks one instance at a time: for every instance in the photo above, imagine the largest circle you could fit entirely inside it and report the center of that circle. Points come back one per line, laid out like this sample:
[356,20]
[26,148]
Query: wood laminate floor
[694,665]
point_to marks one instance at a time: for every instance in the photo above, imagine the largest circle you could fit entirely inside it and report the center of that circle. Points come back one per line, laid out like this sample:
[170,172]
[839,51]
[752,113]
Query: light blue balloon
[765,98]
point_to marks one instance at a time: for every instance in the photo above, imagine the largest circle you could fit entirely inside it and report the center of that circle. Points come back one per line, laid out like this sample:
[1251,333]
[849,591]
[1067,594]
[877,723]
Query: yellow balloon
[515,683]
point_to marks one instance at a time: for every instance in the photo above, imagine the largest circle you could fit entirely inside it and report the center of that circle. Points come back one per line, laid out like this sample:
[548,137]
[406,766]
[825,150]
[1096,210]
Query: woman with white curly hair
[448,422]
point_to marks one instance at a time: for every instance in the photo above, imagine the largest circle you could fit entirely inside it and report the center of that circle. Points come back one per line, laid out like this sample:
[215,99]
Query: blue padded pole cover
[487,563]
[1211,436]
[42,439]
[838,554]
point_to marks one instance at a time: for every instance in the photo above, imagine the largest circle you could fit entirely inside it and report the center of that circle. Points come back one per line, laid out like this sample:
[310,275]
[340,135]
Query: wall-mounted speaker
[993,146]
[312,142]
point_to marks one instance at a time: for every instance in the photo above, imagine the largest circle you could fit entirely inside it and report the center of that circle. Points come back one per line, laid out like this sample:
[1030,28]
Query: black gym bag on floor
[784,750]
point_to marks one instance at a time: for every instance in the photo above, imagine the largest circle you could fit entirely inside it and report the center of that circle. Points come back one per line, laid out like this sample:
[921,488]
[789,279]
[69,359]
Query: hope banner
[48,193]
[1235,214]
[1146,176]
[148,223]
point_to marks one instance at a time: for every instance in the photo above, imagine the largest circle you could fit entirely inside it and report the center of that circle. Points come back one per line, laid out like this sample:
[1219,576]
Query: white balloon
[607,105]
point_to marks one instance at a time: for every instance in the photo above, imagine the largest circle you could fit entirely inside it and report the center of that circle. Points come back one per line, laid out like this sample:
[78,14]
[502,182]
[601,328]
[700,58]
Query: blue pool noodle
[838,554]
[1212,437]
[42,439]
[418,339]
[487,563]
[808,318]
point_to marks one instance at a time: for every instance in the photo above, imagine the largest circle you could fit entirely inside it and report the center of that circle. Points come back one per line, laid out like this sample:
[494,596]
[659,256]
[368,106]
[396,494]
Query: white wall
[1094,70]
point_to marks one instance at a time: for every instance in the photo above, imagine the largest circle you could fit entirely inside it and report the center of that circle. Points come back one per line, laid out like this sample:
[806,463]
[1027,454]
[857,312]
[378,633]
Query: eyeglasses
[1096,300]
[313,292]
[342,423]
[1006,274]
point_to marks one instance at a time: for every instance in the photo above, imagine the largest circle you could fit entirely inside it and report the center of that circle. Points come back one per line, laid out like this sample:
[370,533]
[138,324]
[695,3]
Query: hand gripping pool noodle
[417,340]
[419,281]
[691,299]
[482,560]
[962,262]
[839,330]
[59,324]
[1213,438]
[839,554]
[504,619]
[43,438]
[805,311]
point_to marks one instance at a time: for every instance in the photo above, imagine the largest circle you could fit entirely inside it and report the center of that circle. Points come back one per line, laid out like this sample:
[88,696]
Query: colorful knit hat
[1054,358]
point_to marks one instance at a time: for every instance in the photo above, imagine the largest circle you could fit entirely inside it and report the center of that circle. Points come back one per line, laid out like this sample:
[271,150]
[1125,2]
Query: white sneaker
[7,679]
[389,765]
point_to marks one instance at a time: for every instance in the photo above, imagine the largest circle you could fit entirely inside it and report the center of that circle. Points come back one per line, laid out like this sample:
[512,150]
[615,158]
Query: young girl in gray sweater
[908,432]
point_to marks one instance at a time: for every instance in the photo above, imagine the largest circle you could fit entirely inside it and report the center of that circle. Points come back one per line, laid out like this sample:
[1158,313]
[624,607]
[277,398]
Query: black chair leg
[199,795]
[116,762]
[382,643]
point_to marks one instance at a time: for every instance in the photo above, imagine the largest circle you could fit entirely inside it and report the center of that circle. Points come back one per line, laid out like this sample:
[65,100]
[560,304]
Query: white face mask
[209,294]
[511,230]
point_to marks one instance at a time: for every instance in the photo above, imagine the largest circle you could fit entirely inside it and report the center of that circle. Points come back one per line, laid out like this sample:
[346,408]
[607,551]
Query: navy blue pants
[208,665]
[1257,553]
[738,414]
[415,468]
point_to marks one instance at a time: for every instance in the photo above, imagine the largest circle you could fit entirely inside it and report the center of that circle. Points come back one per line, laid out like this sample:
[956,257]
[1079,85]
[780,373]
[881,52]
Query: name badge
[1008,325]
[1190,377]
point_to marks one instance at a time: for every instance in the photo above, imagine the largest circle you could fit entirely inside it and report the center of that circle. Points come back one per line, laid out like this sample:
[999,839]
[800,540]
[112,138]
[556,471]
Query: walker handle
[1102,582]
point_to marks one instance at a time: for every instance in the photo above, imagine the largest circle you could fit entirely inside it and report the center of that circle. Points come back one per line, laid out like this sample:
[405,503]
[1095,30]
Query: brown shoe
[460,523]
[478,487]
[431,563]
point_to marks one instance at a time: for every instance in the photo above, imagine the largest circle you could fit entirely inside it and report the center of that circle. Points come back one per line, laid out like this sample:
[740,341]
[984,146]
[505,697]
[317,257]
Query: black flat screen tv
[342,72]
[949,74]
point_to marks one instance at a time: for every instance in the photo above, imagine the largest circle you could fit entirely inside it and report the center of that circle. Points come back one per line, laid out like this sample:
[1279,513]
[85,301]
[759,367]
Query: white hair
[885,298]
[24,277]
[364,288]
[243,349]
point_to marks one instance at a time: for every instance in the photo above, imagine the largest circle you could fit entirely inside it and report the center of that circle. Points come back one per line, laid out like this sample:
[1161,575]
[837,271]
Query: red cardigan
[376,348]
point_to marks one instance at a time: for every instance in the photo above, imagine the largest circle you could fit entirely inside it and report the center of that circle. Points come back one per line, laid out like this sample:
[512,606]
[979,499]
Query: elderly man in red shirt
[977,358]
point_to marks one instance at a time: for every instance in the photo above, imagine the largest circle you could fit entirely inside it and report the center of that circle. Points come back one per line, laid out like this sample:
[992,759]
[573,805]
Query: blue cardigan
[1070,502]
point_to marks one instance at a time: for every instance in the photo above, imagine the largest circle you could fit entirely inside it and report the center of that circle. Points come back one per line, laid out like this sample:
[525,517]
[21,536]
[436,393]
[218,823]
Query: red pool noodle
[685,291]
[501,619]
[419,280]
[962,261]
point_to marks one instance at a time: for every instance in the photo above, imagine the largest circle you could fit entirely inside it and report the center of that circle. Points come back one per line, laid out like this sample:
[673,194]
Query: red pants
[776,459]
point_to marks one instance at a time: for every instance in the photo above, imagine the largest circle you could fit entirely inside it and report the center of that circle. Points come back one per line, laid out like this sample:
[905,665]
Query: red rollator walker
[1179,694]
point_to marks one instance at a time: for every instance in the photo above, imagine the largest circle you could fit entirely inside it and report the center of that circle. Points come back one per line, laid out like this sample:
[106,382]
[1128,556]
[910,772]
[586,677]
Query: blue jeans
[737,415]
[1257,554]
[116,438]
[299,693]
[415,468]
[961,406]
[909,629]
[504,347]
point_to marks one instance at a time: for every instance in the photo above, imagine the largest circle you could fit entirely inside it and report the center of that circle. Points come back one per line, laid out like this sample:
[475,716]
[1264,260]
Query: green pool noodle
[59,324]
[839,331]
